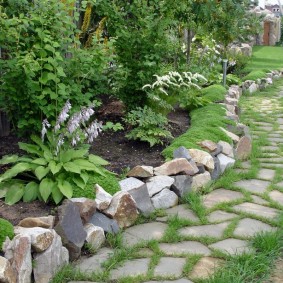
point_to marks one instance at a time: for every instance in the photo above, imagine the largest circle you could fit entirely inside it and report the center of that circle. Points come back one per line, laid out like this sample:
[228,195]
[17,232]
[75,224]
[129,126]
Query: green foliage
[254,75]
[214,93]
[148,126]
[6,230]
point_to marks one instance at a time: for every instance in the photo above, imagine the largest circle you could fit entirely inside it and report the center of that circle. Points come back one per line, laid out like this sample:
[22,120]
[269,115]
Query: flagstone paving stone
[219,196]
[133,267]
[183,248]
[219,215]
[248,227]
[279,184]
[253,185]
[205,267]
[182,280]
[246,164]
[266,174]
[269,148]
[276,196]
[182,211]
[210,230]
[259,200]
[170,266]
[271,160]
[259,210]
[271,165]
[232,246]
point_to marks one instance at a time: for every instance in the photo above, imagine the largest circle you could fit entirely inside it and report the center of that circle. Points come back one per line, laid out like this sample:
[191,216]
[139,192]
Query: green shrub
[254,75]
[214,93]
[6,230]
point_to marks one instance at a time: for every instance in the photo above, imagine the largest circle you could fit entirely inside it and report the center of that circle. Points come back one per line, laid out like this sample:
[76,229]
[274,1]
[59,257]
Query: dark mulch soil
[112,146]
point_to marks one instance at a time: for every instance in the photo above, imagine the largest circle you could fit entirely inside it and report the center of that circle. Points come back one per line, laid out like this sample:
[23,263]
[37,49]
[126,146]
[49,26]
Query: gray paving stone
[145,252]
[182,280]
[131,268]
[265,128]
[253,185]
[269,148]
[271,160]
[248,227]
[276,196]
[280,184]
[246,164]
[93,263]
[232,246]
[259,200]
[169,266]
[183,212]
[211,230]
[275,135]
[271,165]
[184,248]
[146,232]
[219,196]
[256,209]
[219,216]
[205,268]
[266,174]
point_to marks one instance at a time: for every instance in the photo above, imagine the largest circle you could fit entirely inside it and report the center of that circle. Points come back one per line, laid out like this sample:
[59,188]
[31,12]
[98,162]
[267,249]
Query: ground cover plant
[6,230]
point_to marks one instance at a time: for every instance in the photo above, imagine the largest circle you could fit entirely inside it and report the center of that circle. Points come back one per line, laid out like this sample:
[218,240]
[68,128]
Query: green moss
[254,75]
[214,93]
[108,182]
[6,230]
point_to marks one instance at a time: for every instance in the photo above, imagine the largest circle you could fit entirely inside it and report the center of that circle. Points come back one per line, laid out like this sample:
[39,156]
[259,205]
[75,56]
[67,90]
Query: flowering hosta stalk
[54,166]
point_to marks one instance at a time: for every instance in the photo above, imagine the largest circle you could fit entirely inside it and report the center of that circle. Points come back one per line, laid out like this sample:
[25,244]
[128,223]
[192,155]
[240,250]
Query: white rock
[225,162]
[200,180]
[130,183]
[102,198]
[7,274]
[227,149]
[95,236]
[231,135]
[158,183]
[202,157]
[164,199]
[253,88]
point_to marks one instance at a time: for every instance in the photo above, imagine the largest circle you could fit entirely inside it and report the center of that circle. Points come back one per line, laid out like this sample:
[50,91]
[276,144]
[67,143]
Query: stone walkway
[233,215]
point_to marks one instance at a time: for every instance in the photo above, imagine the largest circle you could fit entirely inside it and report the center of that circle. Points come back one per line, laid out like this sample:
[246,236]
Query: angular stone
[184,248]
[182,211]
[211,230]
[142,199]
[248,227]
[182,185]
[176,166]
[225,162]
[169,266]
[164,199]
[131,268]
[130,183]
[41,238]
[227,149]
[231,101]
[141,171]
[266,174]
[182,152]
[202,157]
[7,274]
[94,263]
[70,228]
[276,196]
[232,246]
[215,174]
[158,183]
[253,185]
[47,263]
[143,232]
[219,216]
[244,148]
[253,88]
[259,200]
[208,145]
[123,209]
[18,252]
[217,151]
[234,137]
[95,236]
[107,224]
[205,268]
[44,222]
[102,198]
[220,195]
[259,210]
[200,180]
[86,207]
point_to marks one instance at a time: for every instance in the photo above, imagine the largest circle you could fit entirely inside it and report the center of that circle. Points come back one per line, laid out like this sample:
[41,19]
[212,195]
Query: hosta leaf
[30,148]
[97,160]
[15,170]
[84,176]
[45,188]
[65,188]
[41,171]
[14,193]
[39,142]
[54,167]
[71,167]
[86,165]
[39,161]
[56,194]
[70,154]
[48,155]
[9,159]
[31,192]
[79,182]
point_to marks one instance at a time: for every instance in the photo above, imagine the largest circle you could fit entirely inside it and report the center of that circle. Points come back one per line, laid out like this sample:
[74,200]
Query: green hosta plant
[148,126]
[56,163]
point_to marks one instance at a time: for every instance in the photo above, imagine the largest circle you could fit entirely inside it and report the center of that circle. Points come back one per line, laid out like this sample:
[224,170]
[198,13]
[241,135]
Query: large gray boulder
[107,224]
[165,199]
[225,162]
[86,207]
[182,185]
[158,183]
[130,183]
[181,152]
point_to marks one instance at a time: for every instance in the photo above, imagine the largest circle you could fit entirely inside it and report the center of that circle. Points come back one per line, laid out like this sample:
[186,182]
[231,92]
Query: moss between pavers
[214,93]
[6,230]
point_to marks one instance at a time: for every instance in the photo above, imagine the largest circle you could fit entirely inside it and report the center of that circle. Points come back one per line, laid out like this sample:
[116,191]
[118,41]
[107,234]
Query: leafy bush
[254,75]
[148,126]
[6,230]
[214,93]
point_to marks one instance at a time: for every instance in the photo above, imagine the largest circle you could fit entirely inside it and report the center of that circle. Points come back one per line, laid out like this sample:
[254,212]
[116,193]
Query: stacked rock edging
[41,246]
